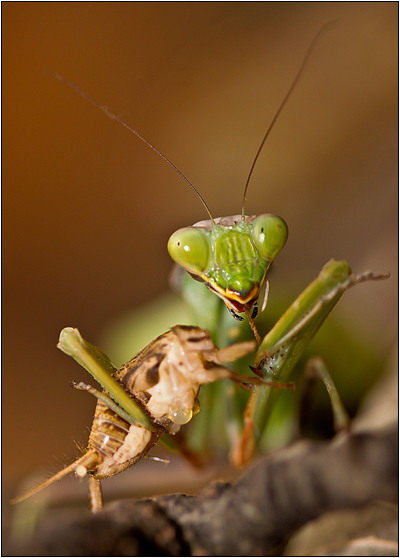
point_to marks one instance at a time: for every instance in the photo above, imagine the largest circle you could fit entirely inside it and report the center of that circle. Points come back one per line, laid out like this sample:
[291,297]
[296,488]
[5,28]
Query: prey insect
[160,384]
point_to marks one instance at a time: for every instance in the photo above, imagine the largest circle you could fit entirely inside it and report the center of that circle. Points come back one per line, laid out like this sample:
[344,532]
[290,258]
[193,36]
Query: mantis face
[231,255]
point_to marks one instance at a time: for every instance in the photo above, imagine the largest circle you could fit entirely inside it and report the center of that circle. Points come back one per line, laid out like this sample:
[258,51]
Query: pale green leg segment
[100,367]
[290,336]
[106,399]
[316,367]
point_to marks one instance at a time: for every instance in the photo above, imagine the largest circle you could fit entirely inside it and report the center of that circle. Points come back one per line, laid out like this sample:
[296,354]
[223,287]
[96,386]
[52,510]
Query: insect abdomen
[117,443]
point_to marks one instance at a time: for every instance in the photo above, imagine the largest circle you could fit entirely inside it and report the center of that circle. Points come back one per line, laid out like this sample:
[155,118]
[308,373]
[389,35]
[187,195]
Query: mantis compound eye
[190,248]
[270,233]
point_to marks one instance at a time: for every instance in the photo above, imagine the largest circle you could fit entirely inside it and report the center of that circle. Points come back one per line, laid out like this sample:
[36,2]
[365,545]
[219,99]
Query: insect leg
[234,352]
[252,324]
[282,347]
[159,459]
[95,495]
[245,381]
[367,276]
[306,318]
[323,300]
[85,462]
[106,399]
[316,369]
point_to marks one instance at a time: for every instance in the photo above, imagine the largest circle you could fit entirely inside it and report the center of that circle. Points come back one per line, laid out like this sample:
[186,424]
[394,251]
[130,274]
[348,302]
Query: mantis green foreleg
[99,366]
[105,398]
[282,347]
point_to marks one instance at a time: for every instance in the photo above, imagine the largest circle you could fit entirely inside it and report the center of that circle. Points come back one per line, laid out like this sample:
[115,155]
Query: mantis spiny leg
[106,399]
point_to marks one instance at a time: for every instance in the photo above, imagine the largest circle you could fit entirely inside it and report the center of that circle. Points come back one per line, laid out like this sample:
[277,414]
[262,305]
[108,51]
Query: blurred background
[88,208]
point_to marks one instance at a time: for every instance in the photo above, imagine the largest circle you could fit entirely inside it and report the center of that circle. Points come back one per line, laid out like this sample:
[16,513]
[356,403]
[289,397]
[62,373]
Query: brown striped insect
[163,380]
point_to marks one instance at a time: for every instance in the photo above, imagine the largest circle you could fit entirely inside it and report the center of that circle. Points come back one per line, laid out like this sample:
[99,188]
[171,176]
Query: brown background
[87,208]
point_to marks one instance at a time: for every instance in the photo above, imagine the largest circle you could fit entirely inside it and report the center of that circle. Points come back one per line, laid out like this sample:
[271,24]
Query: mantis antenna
[317,37]
[114,117]
[111,115]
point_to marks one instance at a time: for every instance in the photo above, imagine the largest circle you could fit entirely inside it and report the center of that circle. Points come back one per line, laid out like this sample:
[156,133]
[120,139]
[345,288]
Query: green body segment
[231,255]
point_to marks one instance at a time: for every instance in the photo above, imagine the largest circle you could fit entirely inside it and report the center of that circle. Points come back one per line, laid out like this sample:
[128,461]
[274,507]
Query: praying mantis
[230,256]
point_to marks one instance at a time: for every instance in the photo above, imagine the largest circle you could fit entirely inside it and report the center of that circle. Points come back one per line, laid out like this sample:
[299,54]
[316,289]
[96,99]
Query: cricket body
[163,380]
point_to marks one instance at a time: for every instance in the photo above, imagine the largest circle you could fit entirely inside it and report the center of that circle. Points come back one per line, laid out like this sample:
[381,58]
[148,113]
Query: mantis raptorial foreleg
[105,398]
[283,346]
[319,308]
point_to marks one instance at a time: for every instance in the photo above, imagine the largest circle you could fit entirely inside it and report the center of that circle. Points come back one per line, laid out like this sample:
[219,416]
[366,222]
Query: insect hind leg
[95,495]
[85,462]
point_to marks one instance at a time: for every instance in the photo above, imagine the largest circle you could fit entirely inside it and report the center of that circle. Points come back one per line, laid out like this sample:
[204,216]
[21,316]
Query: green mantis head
[231,255]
